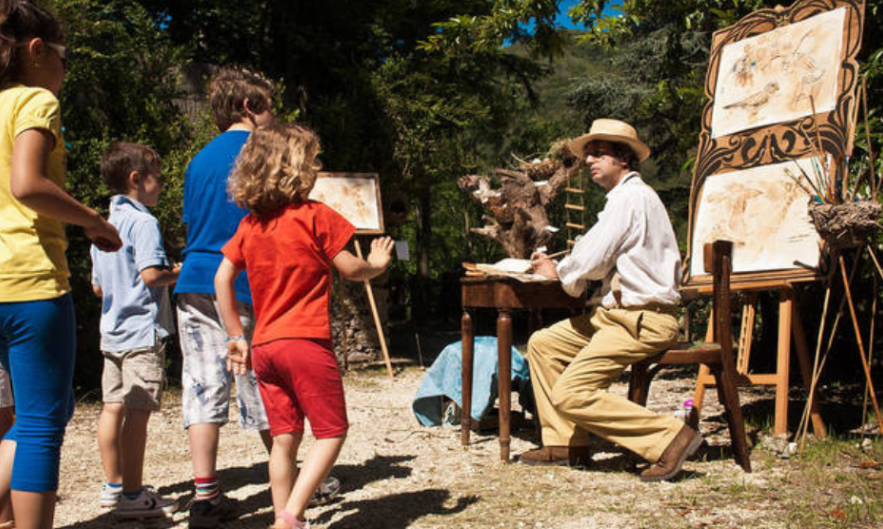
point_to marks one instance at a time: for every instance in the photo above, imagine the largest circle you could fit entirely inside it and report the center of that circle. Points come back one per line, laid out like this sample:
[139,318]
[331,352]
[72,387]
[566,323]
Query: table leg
[504,377]
[468,336]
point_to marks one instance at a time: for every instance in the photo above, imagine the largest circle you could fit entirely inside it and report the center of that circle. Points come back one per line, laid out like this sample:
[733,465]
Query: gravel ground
[398,474]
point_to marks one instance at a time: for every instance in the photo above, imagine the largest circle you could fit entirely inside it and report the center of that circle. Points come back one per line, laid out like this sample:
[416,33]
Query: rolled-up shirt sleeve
[594,255]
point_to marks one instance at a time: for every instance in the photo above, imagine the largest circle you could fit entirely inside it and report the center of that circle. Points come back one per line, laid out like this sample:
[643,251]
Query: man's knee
[537,344]
[568,398]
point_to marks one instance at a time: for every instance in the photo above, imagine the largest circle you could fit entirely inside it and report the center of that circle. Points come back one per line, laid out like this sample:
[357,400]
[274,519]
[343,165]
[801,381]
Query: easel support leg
[818,425]
[374,313]
[783,363]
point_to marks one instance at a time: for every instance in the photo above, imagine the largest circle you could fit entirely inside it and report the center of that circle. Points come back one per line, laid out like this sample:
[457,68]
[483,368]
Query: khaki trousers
[573,362]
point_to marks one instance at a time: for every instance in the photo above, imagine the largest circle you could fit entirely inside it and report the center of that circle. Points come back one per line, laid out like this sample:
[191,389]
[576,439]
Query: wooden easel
[790,324]
[786,140]
[335,196]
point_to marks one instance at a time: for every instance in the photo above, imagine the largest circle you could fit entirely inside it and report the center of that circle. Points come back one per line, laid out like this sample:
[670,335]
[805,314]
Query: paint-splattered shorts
[205,381]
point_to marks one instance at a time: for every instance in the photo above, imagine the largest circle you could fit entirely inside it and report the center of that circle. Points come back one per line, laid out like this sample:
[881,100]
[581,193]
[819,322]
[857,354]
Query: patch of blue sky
[563,19]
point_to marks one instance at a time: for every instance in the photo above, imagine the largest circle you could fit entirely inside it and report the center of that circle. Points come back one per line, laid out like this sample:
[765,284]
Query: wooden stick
[804,420]
[821,366]
[870,353]
[875,185]
[861,347]
[821,151]
[374,313]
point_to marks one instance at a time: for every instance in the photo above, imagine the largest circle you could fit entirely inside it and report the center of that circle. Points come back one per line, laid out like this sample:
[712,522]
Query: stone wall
[352,324]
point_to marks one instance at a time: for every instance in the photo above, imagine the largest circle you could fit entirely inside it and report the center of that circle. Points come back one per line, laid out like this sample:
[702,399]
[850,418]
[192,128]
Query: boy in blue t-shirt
[135,320]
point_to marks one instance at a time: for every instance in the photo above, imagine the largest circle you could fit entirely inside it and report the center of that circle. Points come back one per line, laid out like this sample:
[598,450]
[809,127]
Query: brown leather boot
[570,456]
[685,444]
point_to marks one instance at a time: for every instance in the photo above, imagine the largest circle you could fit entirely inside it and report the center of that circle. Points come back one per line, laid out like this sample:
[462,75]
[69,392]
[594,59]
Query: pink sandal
[293,522]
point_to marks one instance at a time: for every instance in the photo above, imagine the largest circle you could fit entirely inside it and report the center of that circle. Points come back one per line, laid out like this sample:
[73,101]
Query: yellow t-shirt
[32,262]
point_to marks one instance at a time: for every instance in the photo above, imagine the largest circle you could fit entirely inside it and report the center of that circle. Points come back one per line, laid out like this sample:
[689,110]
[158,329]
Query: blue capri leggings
[38,347]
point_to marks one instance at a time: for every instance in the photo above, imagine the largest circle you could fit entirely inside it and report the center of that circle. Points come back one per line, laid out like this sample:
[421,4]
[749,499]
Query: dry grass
[398,474]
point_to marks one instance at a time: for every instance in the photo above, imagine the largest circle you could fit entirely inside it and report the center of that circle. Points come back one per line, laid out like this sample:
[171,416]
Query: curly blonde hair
[278,166]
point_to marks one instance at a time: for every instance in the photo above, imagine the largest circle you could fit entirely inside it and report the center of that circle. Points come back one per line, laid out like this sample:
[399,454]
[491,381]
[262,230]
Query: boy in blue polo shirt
[135,320]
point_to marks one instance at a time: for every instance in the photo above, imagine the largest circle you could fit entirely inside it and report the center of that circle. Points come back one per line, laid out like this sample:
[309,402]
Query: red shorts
[299,378]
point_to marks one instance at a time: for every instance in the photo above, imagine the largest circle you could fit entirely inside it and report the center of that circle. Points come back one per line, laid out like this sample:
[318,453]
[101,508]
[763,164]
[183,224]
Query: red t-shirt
[288,259]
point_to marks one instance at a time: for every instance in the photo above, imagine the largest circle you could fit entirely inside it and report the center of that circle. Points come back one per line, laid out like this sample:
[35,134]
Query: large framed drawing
[764,212]
[356,196]
[781,87]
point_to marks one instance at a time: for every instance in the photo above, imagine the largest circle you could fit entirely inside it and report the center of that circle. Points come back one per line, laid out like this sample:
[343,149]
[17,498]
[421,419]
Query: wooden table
[503,294]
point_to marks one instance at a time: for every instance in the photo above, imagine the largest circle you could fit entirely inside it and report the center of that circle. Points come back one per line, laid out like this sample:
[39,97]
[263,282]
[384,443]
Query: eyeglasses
[597,153]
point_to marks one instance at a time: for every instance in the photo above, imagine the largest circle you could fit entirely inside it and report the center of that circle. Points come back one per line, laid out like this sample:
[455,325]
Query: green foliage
[420,92]
[112,92]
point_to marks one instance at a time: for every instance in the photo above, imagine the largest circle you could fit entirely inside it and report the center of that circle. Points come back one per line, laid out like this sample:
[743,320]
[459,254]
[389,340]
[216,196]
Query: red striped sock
[207,488]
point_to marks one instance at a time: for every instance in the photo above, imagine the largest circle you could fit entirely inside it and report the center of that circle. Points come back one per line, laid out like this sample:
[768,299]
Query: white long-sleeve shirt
[633,236]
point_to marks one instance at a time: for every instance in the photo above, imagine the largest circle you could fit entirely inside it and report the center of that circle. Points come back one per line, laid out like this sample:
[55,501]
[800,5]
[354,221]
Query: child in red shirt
[288,244]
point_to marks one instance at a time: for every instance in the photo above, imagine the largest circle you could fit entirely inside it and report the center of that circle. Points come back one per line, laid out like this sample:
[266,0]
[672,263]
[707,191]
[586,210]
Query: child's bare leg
[204,448]
[283,471]
[7,417]
[7,455]
[33,510]
[110,423]
[133,442]
[317,464]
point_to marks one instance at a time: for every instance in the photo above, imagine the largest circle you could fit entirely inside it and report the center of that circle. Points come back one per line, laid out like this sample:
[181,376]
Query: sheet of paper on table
[518,269]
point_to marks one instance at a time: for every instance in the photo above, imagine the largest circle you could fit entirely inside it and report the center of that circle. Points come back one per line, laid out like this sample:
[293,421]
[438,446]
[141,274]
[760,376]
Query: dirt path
[398,474]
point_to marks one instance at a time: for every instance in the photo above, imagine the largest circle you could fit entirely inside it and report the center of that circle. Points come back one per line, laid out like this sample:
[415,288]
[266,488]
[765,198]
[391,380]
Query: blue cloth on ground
[443,379]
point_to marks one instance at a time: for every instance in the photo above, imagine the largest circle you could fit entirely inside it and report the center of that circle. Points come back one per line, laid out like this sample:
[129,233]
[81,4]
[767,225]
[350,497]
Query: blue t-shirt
[133,315]
[210,215]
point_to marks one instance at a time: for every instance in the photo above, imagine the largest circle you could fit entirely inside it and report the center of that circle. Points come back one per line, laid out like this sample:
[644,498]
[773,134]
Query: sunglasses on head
[60,49]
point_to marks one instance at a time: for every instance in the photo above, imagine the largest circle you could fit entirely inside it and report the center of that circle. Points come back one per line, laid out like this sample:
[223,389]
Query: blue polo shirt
[133,315]
[210,215]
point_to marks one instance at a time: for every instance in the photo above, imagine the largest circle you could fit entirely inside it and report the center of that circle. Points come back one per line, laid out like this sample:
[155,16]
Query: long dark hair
[20,21]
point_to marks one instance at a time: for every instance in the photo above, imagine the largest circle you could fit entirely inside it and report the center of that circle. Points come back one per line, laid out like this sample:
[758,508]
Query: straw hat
[614,131]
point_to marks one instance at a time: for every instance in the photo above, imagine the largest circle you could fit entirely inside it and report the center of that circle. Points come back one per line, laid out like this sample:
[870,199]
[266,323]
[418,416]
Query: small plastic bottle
[684,413]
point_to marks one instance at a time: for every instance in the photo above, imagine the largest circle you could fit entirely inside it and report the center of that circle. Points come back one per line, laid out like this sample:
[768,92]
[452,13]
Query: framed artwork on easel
[781,88]
[356,196]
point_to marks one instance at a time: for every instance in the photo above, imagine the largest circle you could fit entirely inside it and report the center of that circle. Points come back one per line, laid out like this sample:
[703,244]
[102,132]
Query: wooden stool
[717,355]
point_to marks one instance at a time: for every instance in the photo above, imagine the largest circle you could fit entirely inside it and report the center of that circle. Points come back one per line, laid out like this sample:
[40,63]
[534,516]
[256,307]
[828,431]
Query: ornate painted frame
[781,141]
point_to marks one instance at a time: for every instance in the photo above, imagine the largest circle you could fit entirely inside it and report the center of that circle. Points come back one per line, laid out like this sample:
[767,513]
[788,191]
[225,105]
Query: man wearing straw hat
[633,252]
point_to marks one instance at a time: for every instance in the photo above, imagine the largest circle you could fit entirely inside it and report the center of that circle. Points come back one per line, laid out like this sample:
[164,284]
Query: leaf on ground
[870,464]
[839,514]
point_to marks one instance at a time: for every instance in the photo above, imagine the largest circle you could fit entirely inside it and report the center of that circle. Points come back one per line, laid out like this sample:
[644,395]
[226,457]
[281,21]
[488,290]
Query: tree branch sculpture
[518,212]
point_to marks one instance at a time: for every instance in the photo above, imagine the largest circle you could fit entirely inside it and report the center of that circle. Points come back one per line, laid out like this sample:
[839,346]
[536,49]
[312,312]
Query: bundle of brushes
[841,215]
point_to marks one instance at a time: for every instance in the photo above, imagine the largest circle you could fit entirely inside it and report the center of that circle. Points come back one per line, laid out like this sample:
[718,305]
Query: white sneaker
[110,496]
[148,504]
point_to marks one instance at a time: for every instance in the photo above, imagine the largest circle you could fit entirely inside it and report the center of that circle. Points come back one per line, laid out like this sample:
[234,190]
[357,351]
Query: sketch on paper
[778,76]
[354,198]
[764,212]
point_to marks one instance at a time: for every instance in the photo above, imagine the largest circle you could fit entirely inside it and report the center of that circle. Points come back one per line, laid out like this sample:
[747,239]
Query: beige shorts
[135,377]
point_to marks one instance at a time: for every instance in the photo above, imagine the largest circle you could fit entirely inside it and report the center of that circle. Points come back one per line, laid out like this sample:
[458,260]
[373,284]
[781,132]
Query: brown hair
[121,158]
[627,155]
[229,90]
[20,21]
[277,166]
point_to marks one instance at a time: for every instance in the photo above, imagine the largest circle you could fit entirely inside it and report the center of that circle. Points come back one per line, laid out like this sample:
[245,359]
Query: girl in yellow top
[37,328]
